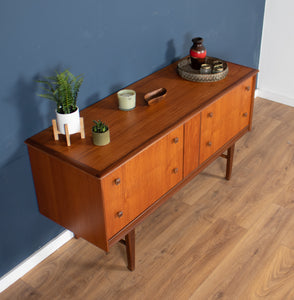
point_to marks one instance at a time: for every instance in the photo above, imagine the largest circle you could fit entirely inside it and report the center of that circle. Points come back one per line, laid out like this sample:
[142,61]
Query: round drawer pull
[209,144]
[176,140]
[245,114]
[120,214]
[210,115]
[247,88]
[175,170]
[117,181]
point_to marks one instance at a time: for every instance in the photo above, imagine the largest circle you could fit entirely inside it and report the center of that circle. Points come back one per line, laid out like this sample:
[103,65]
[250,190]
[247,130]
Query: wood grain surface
[214,239]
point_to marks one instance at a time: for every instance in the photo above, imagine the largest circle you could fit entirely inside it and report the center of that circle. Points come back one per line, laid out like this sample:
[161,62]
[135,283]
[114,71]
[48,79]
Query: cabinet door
[225,118]
[137,184]
[191,144]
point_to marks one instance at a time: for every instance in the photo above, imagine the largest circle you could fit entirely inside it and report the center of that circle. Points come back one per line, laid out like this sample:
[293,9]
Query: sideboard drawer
[225,118]
[137,184]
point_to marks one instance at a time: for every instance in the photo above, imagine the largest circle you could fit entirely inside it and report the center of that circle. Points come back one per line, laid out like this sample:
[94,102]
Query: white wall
[276,66]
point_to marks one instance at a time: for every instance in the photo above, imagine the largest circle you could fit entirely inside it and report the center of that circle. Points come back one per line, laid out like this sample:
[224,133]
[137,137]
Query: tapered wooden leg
[67,134]
[82,130]
[130,246]
[230,157]
[55,131]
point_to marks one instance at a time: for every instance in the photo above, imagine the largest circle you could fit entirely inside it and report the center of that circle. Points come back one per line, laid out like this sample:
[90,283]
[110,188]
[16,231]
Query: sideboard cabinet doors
[225,118]
[137,184]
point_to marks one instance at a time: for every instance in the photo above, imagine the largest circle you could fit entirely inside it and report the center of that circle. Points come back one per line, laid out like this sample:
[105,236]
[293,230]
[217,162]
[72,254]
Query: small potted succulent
[63,88]
[100,133]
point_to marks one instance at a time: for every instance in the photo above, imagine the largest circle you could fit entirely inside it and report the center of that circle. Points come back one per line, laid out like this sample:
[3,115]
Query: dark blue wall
[112,42]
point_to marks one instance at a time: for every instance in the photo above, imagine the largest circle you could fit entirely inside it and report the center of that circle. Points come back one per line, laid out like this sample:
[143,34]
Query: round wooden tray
[187,72]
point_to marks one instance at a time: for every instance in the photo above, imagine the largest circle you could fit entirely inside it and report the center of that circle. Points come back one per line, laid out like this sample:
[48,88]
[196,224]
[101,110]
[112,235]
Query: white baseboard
[29,263]
[274,97]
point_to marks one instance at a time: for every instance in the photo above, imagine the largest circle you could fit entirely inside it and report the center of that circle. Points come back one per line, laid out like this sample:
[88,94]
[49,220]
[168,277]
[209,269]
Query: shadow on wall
[25,228]
[28,118]
[170,53]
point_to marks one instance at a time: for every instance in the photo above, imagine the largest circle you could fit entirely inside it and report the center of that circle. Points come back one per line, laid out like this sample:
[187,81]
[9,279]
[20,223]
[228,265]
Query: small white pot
[72,120]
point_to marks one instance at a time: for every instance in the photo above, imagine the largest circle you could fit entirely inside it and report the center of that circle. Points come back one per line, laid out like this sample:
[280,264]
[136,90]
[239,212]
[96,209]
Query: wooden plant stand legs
[129,242]
[229,157]
[56,132]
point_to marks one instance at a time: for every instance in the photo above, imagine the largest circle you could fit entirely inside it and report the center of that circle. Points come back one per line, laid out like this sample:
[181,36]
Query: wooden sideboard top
[132,131]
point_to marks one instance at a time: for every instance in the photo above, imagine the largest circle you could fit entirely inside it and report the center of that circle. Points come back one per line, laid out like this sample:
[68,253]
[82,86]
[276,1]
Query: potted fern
[100,133]
[63,88]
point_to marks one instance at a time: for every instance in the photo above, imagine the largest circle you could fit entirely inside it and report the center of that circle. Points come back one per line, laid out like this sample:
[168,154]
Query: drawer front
[137,184]
[225,118]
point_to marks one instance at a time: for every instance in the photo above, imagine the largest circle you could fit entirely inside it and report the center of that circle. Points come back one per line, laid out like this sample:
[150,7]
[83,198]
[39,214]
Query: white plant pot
[72,120]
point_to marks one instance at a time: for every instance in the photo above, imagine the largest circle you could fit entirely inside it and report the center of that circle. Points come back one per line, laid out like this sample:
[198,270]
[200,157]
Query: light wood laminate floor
[214,239]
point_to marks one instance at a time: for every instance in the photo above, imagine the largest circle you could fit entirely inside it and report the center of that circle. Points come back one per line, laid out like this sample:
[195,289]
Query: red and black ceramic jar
[197,53]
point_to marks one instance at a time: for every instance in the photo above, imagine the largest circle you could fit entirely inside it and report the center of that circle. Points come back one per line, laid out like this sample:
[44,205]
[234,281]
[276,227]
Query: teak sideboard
[102,193]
